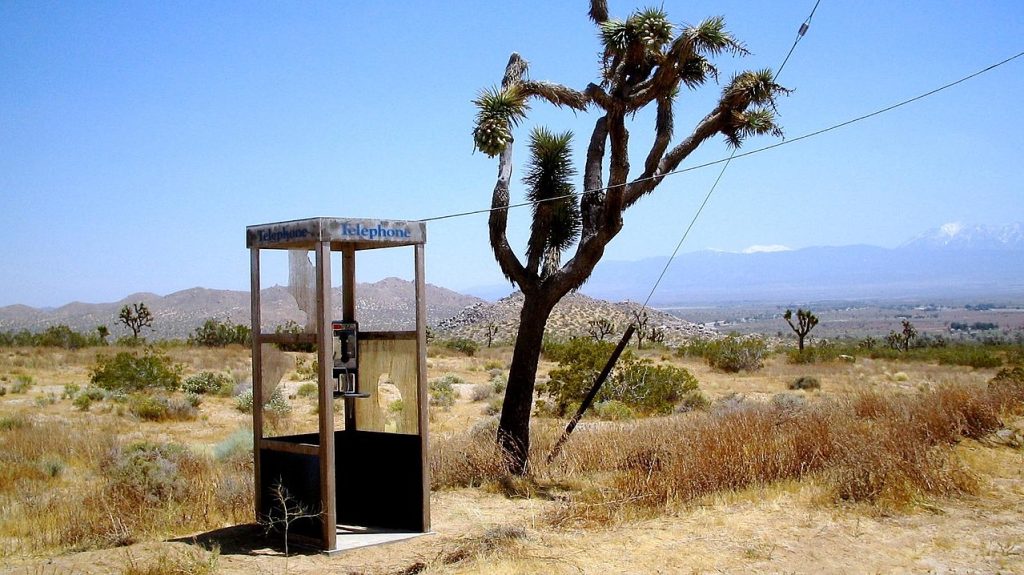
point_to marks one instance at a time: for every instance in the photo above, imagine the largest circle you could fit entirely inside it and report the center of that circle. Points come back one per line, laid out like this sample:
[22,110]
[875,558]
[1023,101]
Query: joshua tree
[900,340]
[135,317]
[600,328]
[805,322]
[491,331]
[645,61]
[103,333]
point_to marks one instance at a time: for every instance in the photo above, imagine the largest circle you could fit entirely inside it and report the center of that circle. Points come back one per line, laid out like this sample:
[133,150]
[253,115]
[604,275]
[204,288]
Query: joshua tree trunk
[514,425]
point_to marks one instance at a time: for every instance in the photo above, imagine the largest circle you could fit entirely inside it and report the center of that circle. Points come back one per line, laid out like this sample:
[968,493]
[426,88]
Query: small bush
[237,447]
[216,333]
[638,383]
[82,402]
[692,400]
[805,382]
[442,392]
[277,406]
[12,422]
[70,391]
[481,391]
[972,356]
[149,473]
[499,382]
[307,390]
[243,401]
[208,382]
[614,410]
[128,371]
[493,406]
[22,383]
[462,345]
[733,354]
[161,408]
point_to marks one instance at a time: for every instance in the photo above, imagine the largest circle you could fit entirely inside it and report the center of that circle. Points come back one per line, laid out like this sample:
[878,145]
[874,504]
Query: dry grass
[888,450]
[65,486]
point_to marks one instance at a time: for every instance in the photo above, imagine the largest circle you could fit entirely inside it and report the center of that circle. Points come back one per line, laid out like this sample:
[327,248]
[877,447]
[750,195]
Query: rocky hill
[384,305]
[568,319]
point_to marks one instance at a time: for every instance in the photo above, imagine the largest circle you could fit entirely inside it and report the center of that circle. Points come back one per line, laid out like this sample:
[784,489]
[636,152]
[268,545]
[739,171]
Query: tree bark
[514,425]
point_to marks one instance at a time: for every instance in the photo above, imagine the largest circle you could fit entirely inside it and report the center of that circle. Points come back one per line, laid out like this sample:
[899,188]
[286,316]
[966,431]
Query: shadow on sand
[250,539]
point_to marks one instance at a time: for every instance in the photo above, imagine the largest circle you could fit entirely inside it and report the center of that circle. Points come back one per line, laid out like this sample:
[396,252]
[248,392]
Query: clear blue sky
[138,139]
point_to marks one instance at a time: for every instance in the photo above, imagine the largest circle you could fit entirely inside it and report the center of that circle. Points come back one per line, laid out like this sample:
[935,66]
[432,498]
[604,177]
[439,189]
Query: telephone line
[744,154]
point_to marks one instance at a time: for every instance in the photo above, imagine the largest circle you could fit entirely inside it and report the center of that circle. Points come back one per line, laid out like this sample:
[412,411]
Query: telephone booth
[364,481]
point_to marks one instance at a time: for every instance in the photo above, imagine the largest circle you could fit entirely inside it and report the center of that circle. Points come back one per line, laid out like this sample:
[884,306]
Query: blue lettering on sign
[378,232]
[284,234]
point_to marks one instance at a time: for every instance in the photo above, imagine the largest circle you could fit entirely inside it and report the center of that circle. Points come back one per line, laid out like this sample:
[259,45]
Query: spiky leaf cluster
[750,98]
[498,111]
[556,213]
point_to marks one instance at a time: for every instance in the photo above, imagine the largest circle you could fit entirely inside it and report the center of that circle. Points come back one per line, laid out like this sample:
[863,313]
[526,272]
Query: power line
[799,35]
[748,153]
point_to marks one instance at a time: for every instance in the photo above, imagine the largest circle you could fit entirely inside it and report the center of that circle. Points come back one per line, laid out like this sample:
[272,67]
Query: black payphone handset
[346,358]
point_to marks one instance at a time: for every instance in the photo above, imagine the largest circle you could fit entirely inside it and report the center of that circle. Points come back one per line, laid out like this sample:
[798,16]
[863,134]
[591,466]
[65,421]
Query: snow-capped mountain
[976,237]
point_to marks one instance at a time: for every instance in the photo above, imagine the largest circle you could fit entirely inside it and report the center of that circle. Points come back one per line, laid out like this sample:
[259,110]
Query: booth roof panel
[361,234]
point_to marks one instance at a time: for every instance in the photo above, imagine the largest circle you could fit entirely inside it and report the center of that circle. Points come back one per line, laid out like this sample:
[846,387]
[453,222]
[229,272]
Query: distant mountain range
[953,261]
[384,305]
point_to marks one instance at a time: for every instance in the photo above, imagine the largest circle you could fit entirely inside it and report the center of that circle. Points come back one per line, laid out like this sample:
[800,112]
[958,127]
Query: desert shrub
[820,352]
[22,383]
[45,399]
[307,370]
[694,347]
[216,333]
[442,392]
[276,406]
[236,447]
[969,355]
[82,402]
[243,401]
[3,390]
[1007,389]
[733,354]
[159,408]
[129,371]
[481,391]
[805,382]
[462,345]
[64,337]
[70,391]
[493,406]
[150,472]
[614,410]
[499,381]
[692,400]
[649,388]
[636,382]
[580,360]
[307,390]
[15,421]
[208,382]
[293,328]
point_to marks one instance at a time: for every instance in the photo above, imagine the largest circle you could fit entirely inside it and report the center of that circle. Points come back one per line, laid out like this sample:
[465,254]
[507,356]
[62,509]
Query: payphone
[346,359]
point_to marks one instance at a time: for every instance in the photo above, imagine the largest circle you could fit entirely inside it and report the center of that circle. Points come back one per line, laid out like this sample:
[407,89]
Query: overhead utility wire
[799,35]
[631,328]
[744,154]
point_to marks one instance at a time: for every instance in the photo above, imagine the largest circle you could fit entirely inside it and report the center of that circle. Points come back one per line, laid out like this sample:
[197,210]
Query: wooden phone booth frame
[384,476]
